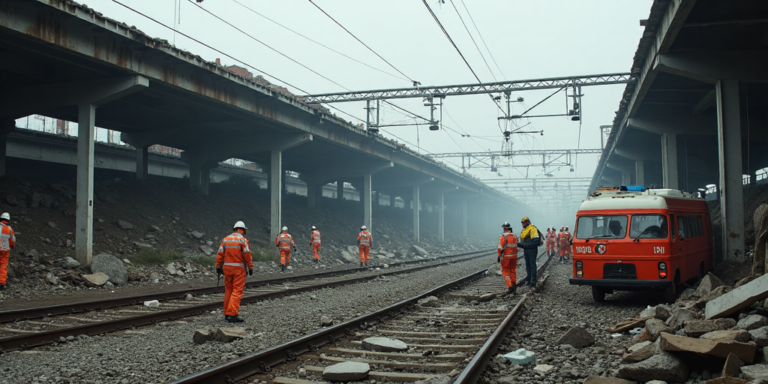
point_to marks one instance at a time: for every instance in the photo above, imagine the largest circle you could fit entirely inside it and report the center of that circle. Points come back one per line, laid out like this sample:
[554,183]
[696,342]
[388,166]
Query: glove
[220,270]
[294,249]
[498,259]
[250,272]
[277,245]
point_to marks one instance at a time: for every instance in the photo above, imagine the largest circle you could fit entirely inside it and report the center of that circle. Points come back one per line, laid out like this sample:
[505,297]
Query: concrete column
[276,190]
[416,213]
[194,177]
[86,116]
[669,160]
[441,217]
[142,163]
[639,172]
[729,153]
[365,198]
[626,178]
[464,223]
[340,190]
[6,127]
[205,180]
[312,195]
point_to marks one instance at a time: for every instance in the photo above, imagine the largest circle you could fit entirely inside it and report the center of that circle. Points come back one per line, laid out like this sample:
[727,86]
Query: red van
[632,238]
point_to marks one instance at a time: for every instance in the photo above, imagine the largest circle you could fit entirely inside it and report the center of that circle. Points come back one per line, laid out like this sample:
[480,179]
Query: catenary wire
[473,40]
[482,39]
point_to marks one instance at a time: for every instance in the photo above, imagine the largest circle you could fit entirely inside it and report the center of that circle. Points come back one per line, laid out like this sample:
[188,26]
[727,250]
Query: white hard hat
[363,228]
[240,224]
[285,228]
[5,216]
[313,227]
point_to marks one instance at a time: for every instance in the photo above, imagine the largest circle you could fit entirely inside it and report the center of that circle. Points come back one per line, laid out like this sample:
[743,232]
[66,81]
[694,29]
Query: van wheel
[598,294]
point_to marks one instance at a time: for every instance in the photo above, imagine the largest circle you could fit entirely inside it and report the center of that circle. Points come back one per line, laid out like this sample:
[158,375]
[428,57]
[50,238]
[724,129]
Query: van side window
[681,227]
[672,226]
[691,225]
[700,225]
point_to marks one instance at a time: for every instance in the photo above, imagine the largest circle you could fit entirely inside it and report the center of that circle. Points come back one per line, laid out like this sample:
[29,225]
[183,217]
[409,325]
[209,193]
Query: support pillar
[416,213]
[142,163]
[640,172]
[205,180]
[86,117]
[669,160]
[312,194]
[340,190]
[464,225]
[276,192]
[731,187]
[366,197]
[441,217]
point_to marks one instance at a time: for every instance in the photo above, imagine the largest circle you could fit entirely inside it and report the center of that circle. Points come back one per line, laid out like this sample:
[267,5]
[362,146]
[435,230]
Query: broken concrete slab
[346,371]
[384,344]
[679,318]
[755,372]
[760,336]
[486,297]
[708,283]
[673,343]
[738,298]
[577,337]
[638,352]
[732,366]
[606,380]
[543,368]
[204,335]
[96,280]
[661,366]
[227,334]
[656,327]
[696,328]
[752,322]
[739,335]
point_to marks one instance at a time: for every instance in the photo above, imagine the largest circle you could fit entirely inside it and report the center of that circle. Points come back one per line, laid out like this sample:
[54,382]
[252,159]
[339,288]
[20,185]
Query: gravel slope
[164,352]
[550,314]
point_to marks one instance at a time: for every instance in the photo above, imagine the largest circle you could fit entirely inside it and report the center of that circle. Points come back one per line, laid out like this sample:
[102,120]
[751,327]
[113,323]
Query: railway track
[31,327]
[454,335]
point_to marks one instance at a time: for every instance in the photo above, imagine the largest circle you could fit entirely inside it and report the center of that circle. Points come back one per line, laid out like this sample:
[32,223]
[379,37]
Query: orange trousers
[315,248]
[509,270]
[4,266]
[234,284]
[561,250]
[285,256]
[364,250]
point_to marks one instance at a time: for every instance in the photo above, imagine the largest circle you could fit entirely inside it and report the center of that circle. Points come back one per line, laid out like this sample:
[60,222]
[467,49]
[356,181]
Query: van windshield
[649,227]
[604,227]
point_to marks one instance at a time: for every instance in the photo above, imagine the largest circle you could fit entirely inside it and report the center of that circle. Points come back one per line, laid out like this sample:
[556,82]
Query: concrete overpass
[697,113]
[66,61]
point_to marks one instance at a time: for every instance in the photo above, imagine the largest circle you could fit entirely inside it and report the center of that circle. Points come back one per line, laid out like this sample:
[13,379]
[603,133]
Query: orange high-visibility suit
[550,242]
[365,240]
[562,243]
[233,257]
[7,242]
[314,241]
[568,248]
[284,242]
[507,251]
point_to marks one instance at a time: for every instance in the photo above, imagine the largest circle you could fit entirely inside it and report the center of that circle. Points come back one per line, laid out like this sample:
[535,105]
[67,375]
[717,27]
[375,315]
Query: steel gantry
[491,159]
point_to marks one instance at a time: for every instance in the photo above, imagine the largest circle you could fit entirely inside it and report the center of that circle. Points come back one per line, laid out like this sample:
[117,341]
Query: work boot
[361,263]
[511,290]
[282,269]
[2,287]
[235,319]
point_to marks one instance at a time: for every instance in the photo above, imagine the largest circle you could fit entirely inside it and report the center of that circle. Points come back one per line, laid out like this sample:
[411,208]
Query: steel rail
[67,309]
[262,361]
[50,337]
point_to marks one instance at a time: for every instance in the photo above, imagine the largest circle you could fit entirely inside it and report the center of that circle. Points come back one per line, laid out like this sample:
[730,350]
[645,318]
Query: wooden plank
[453,357]
[288,380]
[394,376]
[395,332]
[738,298]
[437,367]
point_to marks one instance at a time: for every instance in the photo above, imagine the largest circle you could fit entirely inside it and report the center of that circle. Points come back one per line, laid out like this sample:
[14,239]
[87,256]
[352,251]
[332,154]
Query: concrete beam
[711,66]
[706,102]
[731,187]
[347,171]
[685,125]
[640,152]
[39,98]
[221,148]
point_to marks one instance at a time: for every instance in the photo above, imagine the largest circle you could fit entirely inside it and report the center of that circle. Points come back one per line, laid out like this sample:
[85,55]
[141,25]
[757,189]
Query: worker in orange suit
[507,256]
[232,260]
[314,242]
[7,242]
[562,244]
[365,241]
[548,239]
[284,241]
[568,246]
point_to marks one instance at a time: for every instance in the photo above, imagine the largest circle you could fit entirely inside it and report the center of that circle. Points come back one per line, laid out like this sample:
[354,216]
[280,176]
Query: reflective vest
[7,238]
[315,239]
[234,251]
[284,241]
[529,233]
[365,238]
[562,239]
[508,244]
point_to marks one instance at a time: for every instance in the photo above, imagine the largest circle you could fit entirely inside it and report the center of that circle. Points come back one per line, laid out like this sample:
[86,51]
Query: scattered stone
[155,228]
[34,255]
[696,328]
[302,372]
[728,335]
[760,336]
[111,266]
[679,318]
[738,298]
[71,263]
[346,371]
[96,280]
[124,225]
[41,199]
[755,372]
[188,297]
[656,327]
[639,352]
[732,365]
[171,268]
[606,380]
[708,283]
[205,335]
[656,382]
[419,250]
[12,200]
[384,344]
[543,368]
[429,301]
[673,343]
[53,225]
[152,304]
[752,322]
[326,321]
[197,235]
[663,365]
[486,297]
[141,245]
[49,277]
[227,334]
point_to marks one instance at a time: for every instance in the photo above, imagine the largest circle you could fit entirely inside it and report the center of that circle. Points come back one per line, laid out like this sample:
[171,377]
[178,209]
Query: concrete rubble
[384,344]
[346,371]
[577,337]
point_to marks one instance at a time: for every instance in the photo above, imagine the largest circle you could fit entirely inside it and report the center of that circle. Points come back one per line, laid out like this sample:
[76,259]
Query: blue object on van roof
[633,188]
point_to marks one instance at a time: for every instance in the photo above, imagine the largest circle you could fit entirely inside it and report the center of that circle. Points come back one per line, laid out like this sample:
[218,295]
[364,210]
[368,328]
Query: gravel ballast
[167,351]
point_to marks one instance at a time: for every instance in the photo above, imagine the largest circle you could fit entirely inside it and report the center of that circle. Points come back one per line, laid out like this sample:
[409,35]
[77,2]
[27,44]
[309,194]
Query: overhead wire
[473,40]
[482,39]
[319,43]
